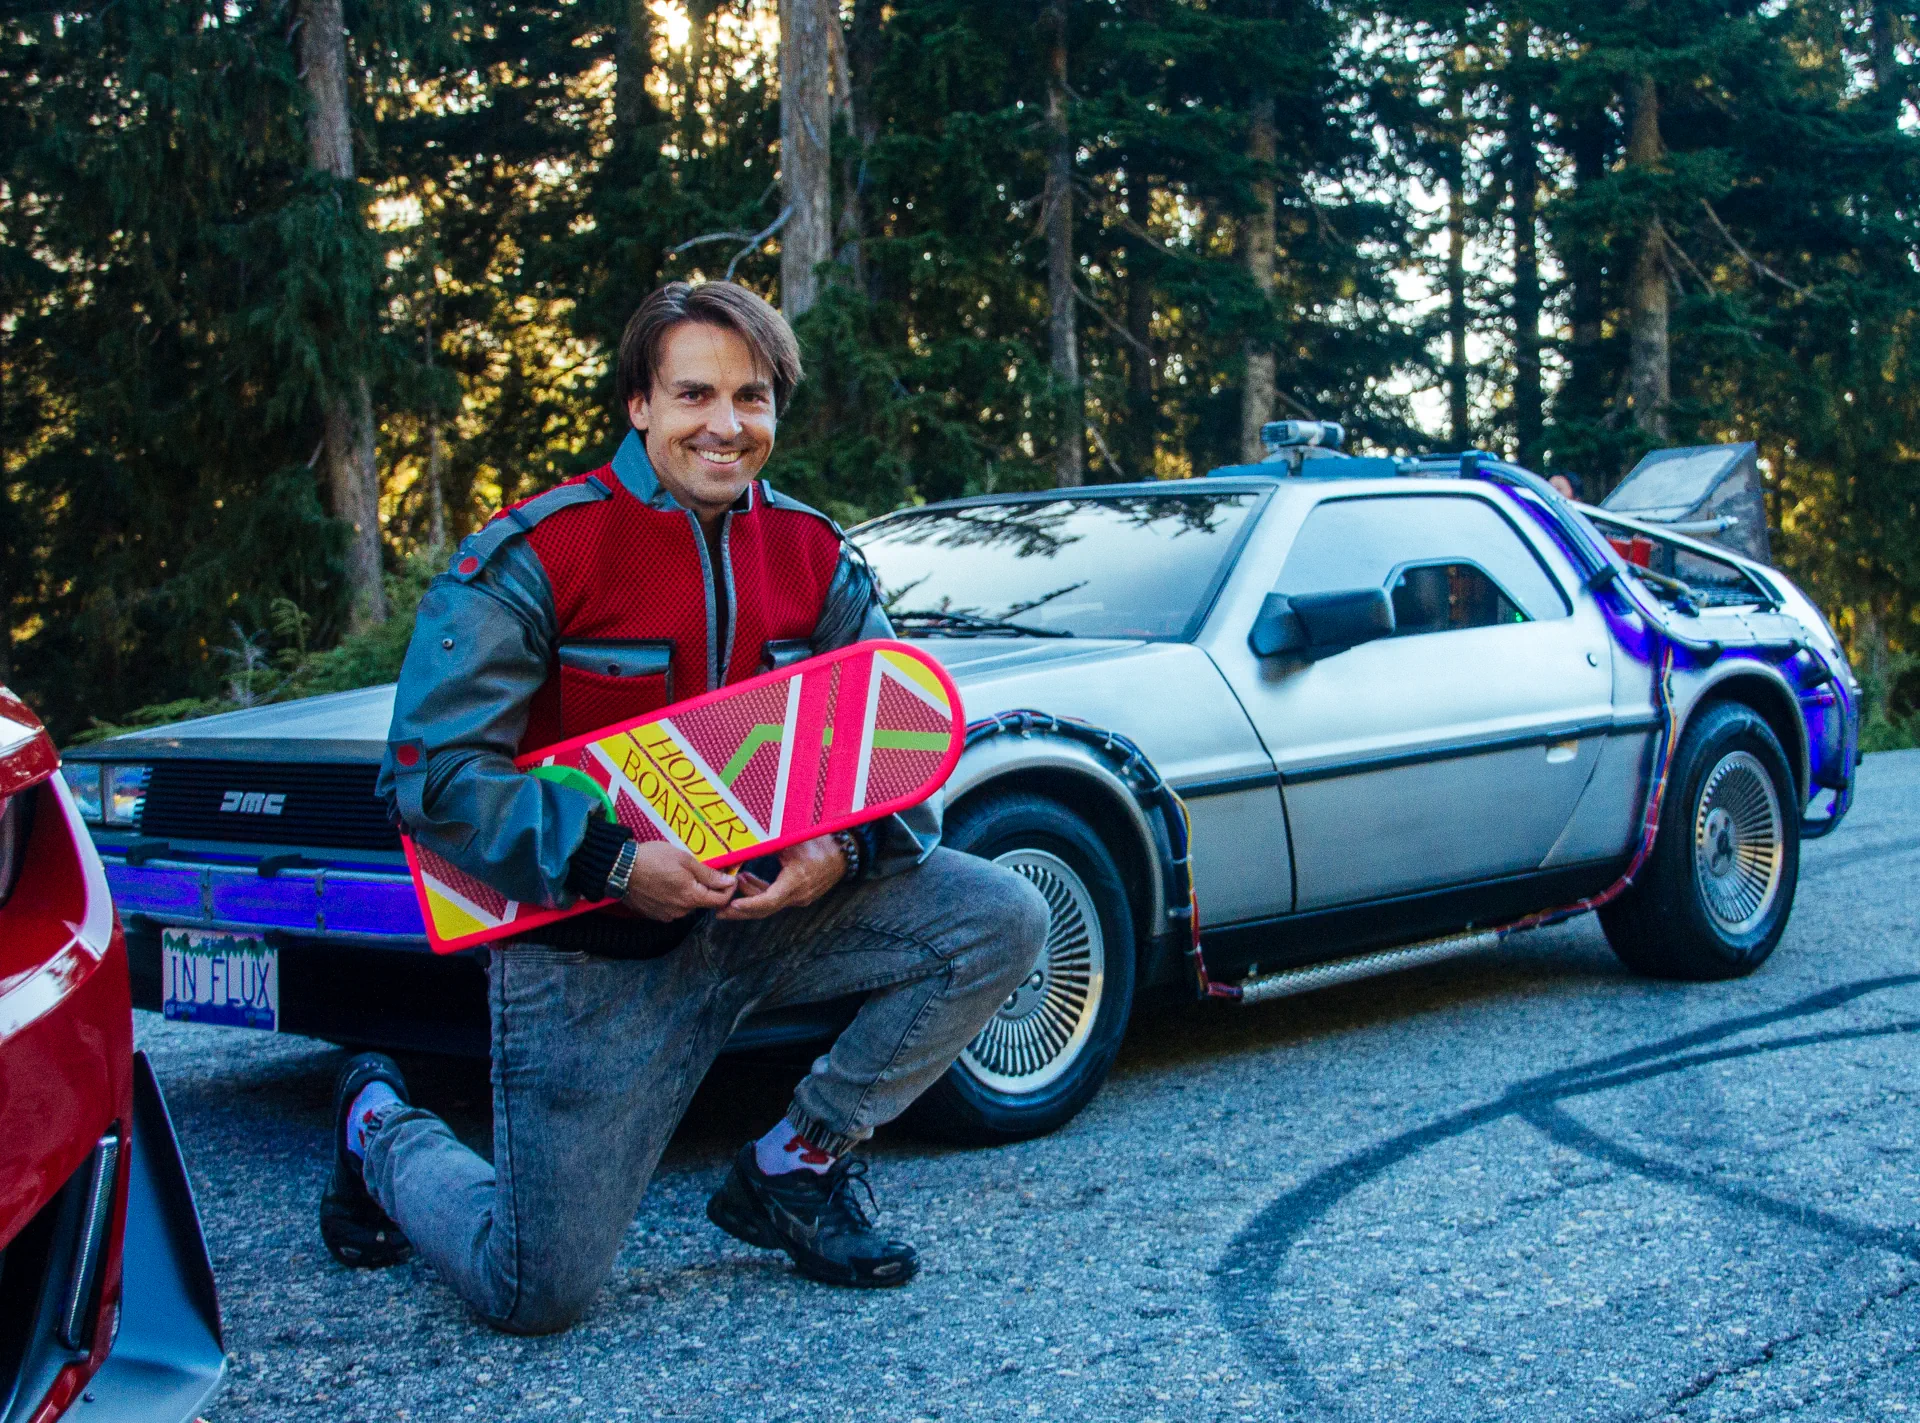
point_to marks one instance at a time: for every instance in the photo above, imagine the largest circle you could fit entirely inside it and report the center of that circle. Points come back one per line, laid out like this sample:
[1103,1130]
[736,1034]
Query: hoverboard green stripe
[756,738]
[911,740]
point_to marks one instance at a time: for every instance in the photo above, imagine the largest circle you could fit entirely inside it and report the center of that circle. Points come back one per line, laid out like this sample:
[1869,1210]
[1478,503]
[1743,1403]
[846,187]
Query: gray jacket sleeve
[481,648]
[853,614]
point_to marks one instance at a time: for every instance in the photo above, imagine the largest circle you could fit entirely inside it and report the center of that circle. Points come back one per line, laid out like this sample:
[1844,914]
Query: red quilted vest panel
[623,572]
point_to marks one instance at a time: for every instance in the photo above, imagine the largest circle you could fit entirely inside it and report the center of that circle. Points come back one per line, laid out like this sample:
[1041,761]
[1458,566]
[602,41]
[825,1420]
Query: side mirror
[1277,631]
[1316,625]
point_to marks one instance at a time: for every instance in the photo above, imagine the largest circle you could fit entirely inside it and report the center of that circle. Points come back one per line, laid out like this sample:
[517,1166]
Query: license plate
[229,979]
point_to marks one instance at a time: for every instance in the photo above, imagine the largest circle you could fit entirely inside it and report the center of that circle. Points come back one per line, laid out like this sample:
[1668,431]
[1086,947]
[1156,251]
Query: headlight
[107,795]
[83,779]
[125,787]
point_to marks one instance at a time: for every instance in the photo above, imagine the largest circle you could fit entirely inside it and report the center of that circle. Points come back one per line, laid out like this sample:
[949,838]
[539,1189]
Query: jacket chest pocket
[606,682]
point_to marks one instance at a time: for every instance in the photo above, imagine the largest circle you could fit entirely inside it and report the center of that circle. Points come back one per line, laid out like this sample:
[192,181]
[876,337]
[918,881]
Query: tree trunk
[347,423]
[436,495]
[848,222]
[1881,38]
[1257,240]
[699,34]
[1584,396]
[806,131]
[436,467]
[1460,431]
[1069,462]
[353,480]
[863,64]
[1649,371]
[632,61]
[1885,32]
[1523,170]
[1139,437]
[1141,413]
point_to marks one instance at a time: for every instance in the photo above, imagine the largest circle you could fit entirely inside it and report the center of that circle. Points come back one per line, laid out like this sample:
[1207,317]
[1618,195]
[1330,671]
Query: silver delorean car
[1289,724]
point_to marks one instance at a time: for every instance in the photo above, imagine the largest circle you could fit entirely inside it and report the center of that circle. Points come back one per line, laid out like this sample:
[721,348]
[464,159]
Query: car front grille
[267,803]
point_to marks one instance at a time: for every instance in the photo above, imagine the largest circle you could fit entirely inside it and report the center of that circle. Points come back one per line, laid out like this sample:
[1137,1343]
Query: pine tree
[806,126]
[1069,466]
[347,407]
[1522,159]
[180,275]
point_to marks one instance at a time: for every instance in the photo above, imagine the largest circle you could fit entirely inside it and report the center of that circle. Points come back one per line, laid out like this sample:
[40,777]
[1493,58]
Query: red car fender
[65,1076]
[66,1035]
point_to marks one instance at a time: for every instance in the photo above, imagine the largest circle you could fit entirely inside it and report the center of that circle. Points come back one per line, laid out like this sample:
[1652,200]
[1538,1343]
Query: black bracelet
[850,850]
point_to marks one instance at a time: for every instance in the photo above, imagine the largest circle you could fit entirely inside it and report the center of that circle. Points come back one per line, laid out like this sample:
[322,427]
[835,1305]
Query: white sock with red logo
[783,1149]
[372,1098]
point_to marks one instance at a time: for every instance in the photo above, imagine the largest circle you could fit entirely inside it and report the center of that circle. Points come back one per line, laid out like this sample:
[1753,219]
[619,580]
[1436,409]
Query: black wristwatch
[622,870]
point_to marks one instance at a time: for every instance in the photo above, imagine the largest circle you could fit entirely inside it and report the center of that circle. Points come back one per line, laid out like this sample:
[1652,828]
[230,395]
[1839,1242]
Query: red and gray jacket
[590,603]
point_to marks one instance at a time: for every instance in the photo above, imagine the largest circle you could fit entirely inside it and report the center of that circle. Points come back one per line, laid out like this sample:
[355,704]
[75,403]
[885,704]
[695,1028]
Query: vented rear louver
[273,803]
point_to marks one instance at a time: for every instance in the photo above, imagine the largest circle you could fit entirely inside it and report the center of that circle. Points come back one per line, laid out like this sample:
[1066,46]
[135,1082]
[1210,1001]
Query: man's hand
[807,871]
[668,882]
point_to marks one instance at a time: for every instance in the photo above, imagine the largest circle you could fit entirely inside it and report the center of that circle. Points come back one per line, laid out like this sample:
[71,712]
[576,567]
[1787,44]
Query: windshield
[1136,565]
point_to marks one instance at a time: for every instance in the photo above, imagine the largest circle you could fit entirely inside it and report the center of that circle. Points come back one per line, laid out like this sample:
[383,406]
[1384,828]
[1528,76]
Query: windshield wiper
[969,625]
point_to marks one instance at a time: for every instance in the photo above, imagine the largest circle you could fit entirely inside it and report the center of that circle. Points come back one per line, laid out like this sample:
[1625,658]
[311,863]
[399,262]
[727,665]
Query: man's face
[708,421]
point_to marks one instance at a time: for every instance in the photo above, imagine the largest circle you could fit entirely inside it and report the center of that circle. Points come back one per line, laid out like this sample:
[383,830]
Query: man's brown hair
[723,304]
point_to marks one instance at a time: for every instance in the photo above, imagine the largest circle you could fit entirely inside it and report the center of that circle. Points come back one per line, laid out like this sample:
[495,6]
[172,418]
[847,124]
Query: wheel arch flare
[1106,778]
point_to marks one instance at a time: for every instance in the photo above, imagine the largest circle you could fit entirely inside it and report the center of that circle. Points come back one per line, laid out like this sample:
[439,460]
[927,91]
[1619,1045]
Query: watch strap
[622,872]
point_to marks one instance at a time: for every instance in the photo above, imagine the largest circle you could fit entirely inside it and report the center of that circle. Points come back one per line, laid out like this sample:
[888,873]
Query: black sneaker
[358,1233]
[815,1218]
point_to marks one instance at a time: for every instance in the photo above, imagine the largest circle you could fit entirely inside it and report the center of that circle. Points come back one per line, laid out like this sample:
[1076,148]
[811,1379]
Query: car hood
[352,726]
[976,660]
[340,726]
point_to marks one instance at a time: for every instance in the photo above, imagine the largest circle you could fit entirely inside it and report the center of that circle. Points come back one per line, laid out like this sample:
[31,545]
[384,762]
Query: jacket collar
[635,471]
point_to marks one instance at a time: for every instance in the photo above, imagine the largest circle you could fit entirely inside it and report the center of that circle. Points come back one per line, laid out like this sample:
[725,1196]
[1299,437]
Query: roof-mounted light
[1299,434]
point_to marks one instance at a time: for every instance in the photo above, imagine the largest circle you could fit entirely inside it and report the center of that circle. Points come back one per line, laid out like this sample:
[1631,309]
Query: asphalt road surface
[1520,1186]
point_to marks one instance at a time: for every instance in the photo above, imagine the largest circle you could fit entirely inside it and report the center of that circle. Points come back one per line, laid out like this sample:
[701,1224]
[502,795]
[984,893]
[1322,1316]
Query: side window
[1439,597]
[1449,561]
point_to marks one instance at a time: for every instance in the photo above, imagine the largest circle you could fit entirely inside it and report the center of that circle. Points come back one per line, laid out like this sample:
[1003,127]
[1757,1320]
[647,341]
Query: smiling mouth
[721,457]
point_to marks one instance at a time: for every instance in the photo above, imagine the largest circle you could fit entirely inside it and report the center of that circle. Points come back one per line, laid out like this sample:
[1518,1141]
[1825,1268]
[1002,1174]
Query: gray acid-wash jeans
[595,1060]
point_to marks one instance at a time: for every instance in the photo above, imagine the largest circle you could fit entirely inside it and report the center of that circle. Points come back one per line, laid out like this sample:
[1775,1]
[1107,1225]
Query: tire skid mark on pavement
[1876,852]
[1554,1122]
[1764,1355]
[1247,1271]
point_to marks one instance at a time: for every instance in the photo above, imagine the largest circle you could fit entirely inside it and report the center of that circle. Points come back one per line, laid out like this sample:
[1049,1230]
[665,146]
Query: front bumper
[166,1358]
[353,956]
[338,903]
[354,963]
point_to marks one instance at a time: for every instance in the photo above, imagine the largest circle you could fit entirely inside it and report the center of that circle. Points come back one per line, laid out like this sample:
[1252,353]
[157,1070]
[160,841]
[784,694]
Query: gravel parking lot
[1521,1186]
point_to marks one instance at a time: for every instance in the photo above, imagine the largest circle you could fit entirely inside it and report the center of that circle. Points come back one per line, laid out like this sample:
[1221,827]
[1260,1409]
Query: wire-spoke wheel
[1713,898]
[1044,1024]
[1045,1051]
[1737,841]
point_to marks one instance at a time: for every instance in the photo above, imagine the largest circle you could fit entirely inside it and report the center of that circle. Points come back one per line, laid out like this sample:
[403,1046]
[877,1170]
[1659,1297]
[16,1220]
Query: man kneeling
[604,1024]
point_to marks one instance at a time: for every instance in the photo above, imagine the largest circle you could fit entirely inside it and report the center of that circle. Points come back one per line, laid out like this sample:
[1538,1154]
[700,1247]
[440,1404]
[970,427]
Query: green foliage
[258,674]
[365,658]
[180,292]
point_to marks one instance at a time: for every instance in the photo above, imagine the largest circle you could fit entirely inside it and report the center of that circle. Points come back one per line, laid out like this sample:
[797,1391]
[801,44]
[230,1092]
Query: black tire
[973,1105]
[1713,898]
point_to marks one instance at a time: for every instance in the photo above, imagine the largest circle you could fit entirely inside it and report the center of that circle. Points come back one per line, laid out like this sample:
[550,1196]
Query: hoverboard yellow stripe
[918,673]
[450,921]
[685,798]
